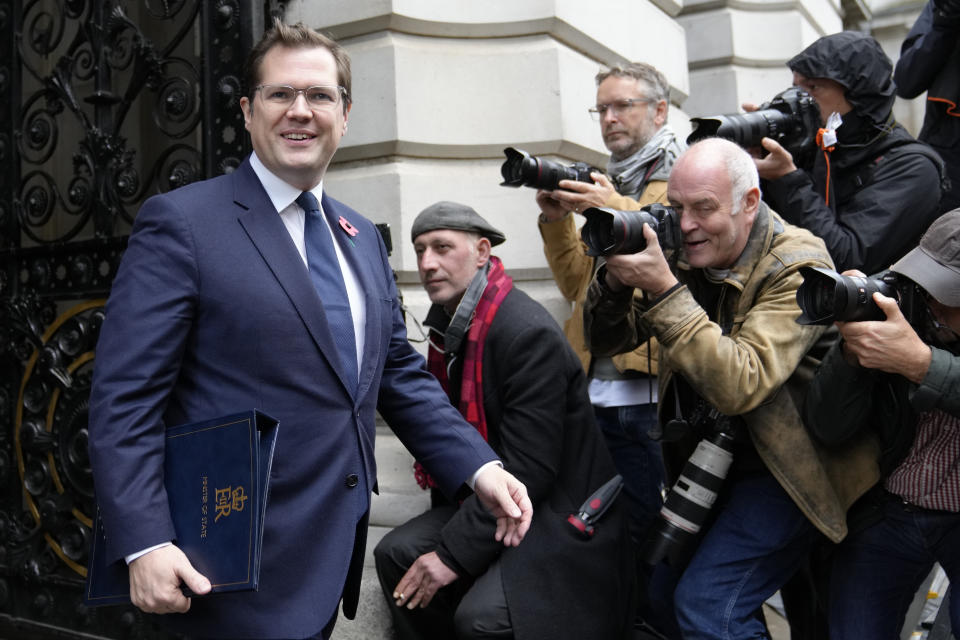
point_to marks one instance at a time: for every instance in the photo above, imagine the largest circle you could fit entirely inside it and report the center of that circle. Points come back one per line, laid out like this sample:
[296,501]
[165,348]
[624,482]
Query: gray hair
[657,83]
[741,169]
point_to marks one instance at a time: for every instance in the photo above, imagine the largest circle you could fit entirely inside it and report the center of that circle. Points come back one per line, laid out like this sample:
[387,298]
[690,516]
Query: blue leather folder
[217,475]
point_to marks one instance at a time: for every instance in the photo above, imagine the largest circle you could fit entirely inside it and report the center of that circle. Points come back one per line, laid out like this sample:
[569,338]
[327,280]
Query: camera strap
[460,322]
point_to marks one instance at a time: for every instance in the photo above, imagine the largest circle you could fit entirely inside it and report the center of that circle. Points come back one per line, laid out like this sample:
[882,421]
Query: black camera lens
[521,169]
[747,129]
[826,296]
[792,118]
[609,231]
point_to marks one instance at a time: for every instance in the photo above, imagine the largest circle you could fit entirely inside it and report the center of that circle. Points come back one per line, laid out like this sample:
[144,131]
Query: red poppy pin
[349,228]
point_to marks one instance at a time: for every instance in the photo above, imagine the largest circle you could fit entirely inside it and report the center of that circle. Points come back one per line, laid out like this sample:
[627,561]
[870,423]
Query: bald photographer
[724,318]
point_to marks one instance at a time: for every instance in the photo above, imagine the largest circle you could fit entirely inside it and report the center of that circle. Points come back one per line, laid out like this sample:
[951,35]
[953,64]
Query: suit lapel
[358,251]
[268,233]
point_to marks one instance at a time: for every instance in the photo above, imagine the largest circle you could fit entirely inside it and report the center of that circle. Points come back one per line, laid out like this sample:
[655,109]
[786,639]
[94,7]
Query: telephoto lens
[522,169]
[825,296]
[611,231]
[690,500]
[792,118]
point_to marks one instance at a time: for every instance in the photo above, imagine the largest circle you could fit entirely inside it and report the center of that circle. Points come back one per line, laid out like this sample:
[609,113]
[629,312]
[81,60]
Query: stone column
[738,49]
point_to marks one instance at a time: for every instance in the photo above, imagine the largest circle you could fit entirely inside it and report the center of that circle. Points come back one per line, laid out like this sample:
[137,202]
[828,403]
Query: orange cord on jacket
[826,157]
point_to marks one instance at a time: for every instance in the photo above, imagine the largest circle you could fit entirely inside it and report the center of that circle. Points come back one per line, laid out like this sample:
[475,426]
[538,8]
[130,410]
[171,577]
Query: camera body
[792,118]
[610,231]
[826,296]
[521,169]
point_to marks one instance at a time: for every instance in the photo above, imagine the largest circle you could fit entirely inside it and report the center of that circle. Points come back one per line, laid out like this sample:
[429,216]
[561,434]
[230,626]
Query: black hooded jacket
[884,187]
[930,61]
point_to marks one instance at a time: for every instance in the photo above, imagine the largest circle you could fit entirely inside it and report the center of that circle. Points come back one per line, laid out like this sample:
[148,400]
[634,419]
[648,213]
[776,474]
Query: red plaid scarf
[498,286]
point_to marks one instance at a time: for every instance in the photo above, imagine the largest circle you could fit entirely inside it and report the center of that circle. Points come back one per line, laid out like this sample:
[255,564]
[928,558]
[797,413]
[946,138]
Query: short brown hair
[648,73]
[296,36]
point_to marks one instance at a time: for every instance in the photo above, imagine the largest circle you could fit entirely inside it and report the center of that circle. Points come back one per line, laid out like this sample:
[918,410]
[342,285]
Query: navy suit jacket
[213,312]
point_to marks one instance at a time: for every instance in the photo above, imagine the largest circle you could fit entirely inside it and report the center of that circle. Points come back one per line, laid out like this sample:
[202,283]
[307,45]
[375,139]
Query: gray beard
[630,174]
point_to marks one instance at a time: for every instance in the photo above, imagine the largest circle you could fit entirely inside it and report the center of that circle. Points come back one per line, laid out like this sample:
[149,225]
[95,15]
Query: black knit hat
[456,216]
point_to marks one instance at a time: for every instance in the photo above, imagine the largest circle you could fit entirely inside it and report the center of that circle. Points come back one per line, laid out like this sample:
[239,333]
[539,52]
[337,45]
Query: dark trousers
[323,635]
[464,609]
[637,457]
[877,571]
[757,542]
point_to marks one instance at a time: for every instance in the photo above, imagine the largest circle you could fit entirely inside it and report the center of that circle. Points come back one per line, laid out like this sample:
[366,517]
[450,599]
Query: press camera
[610,231]
[792,118]
[521,169]
[826,296]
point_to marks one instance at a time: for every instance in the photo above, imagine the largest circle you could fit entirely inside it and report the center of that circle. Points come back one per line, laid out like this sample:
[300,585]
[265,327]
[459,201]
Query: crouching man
[507,366]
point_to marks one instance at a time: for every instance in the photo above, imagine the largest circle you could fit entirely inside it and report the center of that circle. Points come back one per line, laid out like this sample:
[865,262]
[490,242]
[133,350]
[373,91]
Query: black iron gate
[102,104]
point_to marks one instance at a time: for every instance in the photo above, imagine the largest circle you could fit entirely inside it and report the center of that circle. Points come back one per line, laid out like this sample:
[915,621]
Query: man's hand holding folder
[216,476]
[156,578]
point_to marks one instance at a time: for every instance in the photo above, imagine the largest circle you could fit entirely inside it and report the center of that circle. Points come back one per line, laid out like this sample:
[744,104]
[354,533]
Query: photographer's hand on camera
[776,163]
[550,208]
[574,195]
[646,270]
[889,345]
[772,160]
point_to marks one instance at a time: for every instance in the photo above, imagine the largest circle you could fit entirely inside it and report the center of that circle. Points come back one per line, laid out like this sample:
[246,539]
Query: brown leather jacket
[573,271]
[755,368]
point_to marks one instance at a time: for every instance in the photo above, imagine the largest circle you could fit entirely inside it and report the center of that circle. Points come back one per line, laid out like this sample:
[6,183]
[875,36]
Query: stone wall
[440,88]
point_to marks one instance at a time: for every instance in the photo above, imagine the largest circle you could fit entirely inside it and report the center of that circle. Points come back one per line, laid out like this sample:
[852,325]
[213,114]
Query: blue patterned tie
[328,280]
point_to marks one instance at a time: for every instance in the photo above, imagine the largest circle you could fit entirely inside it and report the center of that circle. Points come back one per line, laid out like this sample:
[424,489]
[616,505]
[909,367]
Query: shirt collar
[281,194]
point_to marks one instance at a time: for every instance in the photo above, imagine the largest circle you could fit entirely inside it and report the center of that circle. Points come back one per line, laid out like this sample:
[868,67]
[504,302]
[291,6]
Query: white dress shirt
[284,198]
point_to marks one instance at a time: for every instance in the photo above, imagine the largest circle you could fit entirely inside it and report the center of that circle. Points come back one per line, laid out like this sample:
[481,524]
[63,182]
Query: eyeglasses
[318,97]
[616,107]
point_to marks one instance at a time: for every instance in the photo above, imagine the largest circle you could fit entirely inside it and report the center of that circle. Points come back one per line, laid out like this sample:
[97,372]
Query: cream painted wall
[441,87]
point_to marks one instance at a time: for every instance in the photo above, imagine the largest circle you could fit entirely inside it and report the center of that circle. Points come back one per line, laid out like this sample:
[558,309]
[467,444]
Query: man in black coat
[873,189]
[930,61]
[509,369]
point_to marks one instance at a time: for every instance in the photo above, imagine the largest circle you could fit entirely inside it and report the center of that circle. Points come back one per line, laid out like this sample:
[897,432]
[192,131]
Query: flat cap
[456,216]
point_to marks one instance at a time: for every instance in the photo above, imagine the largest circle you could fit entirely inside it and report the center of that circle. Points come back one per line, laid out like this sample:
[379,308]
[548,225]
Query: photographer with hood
[899,379]
[873,189]
[930,61]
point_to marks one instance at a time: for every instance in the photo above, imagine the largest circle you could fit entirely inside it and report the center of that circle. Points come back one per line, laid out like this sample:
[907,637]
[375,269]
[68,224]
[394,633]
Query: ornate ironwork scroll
[102,104]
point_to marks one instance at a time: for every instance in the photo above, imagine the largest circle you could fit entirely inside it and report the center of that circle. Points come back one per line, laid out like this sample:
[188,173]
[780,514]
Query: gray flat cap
[453,215]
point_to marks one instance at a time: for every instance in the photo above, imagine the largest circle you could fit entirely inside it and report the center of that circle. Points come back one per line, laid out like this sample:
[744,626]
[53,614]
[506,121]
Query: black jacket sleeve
[924,52]
[874,226]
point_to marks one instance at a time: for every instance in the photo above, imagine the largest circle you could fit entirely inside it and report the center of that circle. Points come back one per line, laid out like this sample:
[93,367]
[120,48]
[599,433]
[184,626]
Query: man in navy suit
[224,302]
